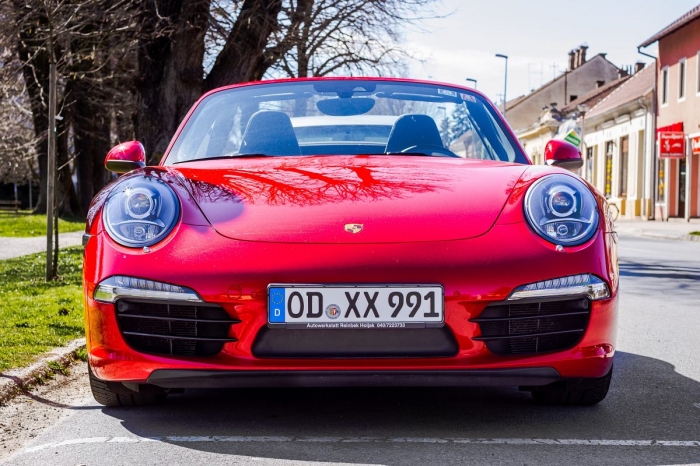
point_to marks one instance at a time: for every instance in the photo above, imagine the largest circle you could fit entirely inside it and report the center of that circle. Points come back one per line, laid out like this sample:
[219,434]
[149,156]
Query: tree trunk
[170,68]
[36,76]
[243,57]
[90,118]
[66,197]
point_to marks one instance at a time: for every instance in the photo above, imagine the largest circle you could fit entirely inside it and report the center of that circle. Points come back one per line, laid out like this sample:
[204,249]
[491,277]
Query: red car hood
[312,199]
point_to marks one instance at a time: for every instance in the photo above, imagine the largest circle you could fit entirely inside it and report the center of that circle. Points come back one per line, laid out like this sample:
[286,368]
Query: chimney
[572,60]
[621,73]
[582,55]
[639,66]
[577,58]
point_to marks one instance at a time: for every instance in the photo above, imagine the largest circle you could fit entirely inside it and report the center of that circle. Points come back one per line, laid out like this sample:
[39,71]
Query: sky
[536,35]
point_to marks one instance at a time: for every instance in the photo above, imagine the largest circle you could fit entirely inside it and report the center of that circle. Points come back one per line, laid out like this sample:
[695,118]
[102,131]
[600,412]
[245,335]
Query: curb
[15,381]
[659,235]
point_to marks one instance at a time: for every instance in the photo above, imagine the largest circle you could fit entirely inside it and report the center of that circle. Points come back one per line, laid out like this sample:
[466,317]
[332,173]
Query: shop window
[624,165]
[661,180]
[608,168]
[589,165]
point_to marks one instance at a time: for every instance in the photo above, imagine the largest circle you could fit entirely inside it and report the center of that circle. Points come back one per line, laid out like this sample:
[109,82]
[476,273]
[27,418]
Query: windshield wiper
[227,156]
[420,154]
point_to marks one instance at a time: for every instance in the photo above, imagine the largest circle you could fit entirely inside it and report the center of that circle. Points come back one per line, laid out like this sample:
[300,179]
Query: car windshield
[344,117]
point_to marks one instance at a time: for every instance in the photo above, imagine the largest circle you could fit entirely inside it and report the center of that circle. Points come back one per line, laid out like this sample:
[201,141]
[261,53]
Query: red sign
[695,144]
[671,145]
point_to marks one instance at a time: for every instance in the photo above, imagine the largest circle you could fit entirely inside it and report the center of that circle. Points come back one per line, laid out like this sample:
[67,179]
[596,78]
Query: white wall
[637,126]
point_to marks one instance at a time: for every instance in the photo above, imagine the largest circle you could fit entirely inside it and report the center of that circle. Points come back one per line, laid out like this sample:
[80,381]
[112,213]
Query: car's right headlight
[562,210]
[140,212]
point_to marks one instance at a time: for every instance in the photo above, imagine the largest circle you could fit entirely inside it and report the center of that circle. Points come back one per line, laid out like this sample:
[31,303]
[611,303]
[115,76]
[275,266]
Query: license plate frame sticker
[355,306]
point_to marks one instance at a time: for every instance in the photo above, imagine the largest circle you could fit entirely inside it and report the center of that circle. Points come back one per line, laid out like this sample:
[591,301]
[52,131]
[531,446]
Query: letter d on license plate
[395,306]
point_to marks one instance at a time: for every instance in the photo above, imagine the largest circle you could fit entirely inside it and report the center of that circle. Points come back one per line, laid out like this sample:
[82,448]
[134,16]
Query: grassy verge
[697,233]
[26,224]
[36,316]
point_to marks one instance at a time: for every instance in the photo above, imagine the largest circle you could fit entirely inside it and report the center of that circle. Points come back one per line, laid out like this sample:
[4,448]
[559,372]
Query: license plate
[361,307]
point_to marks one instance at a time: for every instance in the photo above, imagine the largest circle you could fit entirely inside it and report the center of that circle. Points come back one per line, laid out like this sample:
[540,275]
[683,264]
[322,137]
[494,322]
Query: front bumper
[235,274]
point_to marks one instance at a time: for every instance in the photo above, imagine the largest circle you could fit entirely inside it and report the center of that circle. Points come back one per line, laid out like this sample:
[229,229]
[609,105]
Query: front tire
[115,394]
[584,392]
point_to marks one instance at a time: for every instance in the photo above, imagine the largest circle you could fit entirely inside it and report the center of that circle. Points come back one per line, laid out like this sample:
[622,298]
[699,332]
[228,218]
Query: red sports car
[343,232]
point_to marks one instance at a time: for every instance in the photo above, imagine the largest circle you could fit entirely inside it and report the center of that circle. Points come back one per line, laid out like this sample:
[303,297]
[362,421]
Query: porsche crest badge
[353,227]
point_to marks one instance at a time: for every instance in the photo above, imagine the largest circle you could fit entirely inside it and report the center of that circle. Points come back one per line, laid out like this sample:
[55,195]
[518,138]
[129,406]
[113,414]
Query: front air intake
[181,329]
[533,327]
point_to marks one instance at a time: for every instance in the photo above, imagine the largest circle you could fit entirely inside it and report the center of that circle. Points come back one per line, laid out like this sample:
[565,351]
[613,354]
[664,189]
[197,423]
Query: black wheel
[116,394]
[584,392]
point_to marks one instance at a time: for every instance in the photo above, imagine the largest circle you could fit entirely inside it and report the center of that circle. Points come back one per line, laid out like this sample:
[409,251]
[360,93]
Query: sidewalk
[15,247]
[677,229]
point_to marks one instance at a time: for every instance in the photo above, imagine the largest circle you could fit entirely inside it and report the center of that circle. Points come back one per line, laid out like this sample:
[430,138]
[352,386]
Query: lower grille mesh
[175,329]
[533,327]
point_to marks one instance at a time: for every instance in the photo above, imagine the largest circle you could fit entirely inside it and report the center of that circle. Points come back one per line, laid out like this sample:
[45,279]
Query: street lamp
[505,82]
[472,80]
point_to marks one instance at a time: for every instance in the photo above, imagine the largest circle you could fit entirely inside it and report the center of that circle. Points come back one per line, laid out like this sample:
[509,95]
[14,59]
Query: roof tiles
[638,85]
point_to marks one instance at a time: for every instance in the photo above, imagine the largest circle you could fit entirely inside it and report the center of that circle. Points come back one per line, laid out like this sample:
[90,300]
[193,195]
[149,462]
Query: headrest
[269,133]
[413,130]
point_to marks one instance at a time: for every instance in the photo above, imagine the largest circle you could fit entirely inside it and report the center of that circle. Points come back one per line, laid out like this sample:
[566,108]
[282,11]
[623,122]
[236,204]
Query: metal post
[51,172]
[688,177]
[472,80]
[505,83]
[583,108]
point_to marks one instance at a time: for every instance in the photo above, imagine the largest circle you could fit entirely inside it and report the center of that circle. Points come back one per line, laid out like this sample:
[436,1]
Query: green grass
[26,224]
[36,316]
[695,233]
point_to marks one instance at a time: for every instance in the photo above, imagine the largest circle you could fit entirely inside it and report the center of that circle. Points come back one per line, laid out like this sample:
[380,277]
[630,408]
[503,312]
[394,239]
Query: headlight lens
[562,210]
[141,212]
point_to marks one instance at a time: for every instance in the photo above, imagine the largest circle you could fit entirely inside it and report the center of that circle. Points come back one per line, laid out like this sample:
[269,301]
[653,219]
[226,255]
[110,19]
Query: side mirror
[125,157]
[562,154]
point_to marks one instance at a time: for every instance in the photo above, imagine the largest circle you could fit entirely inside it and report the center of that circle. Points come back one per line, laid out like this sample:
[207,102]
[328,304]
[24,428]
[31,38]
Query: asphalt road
[651,416]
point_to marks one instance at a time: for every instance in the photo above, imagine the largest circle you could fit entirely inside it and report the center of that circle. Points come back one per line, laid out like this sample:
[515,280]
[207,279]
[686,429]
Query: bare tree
[79,36]
[17,138]
[133,68]
[325,37]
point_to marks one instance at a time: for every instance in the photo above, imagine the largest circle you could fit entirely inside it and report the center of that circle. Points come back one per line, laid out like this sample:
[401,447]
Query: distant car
[346,232]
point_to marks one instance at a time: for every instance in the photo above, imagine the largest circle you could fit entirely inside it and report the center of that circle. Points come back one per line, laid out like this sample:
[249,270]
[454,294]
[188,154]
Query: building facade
[678,103]
[618,145]
[536,117]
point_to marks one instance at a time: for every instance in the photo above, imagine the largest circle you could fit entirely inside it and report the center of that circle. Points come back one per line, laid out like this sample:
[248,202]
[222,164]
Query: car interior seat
[413,130]
[269,133]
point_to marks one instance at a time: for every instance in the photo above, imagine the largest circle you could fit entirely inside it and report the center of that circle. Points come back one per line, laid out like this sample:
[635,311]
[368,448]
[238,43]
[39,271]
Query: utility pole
[51,172]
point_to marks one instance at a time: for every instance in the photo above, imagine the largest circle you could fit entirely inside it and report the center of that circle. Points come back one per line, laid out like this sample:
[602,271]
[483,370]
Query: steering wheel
[429,149]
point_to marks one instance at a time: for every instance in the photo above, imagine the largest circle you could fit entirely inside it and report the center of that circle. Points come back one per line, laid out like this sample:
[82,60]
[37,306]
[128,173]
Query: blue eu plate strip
[276,305]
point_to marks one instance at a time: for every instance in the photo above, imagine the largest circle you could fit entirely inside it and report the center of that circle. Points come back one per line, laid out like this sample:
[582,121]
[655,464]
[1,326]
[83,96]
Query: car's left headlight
[562,210]
[140,212]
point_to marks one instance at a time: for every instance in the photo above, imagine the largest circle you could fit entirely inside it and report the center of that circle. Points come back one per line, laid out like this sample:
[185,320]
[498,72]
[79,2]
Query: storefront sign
[695,144]
[672,145]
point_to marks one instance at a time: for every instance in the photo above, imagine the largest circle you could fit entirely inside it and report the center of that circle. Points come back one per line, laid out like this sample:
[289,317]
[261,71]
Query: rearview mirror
[125,157]
[562,154]
[345,107]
